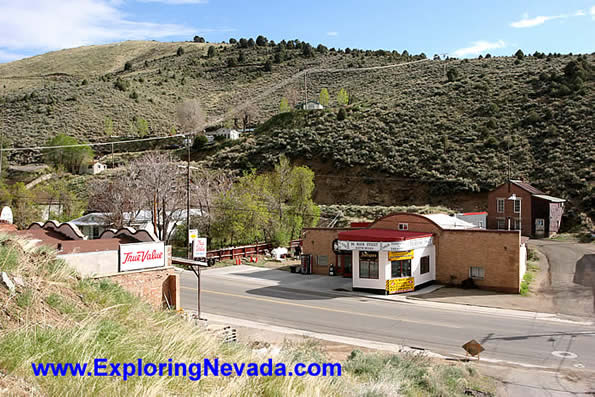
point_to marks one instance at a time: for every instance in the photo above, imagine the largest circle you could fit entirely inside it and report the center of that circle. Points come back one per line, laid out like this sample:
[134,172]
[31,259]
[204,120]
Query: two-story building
[516,205]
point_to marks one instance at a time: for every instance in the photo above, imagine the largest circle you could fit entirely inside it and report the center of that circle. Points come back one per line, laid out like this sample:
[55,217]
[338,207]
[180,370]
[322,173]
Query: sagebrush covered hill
[430,130]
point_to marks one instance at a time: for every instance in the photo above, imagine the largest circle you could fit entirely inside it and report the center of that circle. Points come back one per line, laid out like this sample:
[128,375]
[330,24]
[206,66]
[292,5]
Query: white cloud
[530,22]
[174,2]
[479,47]
[527,22]
[592,12]
[50,25]
[332,33]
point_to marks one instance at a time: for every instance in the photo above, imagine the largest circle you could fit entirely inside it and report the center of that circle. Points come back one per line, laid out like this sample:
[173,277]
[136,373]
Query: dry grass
[68,319]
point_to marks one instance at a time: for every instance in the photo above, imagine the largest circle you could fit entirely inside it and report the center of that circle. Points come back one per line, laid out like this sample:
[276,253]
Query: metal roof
[549,198]
[449,222]
[526,186]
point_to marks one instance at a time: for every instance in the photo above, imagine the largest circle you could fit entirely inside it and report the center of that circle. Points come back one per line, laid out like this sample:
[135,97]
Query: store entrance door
[346,265]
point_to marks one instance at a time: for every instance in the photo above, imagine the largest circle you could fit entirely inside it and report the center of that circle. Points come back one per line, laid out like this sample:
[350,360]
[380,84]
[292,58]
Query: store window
[400,268]
[368,264]
[424,264]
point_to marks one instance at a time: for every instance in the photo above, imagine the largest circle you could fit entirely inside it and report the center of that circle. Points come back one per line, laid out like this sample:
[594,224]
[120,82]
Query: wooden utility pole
[188,247]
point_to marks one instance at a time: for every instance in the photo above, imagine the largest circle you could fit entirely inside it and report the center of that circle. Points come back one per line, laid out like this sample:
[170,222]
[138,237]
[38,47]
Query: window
[424,264]
[501,223]
[322,260]
[500,205]
[400,268]
[368,264]
[476,272]
[403,226]
[517,206]
[517,224]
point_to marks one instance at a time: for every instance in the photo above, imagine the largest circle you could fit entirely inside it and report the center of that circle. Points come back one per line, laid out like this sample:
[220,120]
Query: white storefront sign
[139,256]
[385,245]
[199,247]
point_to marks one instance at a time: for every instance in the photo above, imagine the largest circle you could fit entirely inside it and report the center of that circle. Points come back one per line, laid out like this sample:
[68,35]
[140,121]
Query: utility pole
[189,249]
[1,151]
[305,90]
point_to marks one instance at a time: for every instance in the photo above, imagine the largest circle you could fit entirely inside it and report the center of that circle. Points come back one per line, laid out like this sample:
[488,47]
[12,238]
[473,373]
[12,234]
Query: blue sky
[459,28]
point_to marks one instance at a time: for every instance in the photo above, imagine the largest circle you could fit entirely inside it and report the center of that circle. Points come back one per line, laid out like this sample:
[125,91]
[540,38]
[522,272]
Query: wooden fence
[246,250]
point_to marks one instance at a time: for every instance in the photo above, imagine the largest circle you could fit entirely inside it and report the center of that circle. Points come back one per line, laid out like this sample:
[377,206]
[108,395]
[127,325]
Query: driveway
[570,275]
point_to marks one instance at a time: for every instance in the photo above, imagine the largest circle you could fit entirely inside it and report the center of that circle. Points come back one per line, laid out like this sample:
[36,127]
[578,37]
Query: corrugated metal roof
[449,222]
[526,186]
[549,198]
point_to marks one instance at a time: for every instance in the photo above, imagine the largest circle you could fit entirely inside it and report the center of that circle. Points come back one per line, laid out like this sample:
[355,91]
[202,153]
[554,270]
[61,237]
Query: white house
[95,168]
[310,105]
[227,133]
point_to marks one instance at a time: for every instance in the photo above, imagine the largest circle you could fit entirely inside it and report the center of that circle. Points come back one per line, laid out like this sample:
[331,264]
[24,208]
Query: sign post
[199,251]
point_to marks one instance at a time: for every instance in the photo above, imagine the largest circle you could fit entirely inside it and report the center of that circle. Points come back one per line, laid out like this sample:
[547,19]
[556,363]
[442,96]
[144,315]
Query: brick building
[426,248]
[516,205]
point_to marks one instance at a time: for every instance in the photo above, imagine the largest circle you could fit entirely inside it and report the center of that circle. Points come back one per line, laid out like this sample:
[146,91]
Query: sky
[459,28]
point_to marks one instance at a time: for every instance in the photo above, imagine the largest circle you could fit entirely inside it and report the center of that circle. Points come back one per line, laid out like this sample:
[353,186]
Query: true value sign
[141,256]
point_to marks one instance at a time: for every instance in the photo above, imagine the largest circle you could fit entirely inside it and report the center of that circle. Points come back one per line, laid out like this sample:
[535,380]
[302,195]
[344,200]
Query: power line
[94,144]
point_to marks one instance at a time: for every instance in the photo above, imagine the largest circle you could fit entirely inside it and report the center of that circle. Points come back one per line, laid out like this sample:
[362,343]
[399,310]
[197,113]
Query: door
[346,265]
[539,227]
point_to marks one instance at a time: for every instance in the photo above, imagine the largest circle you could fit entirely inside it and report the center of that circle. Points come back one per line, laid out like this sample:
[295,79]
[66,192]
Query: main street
[441,328]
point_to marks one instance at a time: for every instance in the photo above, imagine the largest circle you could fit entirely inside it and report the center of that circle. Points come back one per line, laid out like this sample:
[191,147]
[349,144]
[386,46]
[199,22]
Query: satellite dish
[6,215]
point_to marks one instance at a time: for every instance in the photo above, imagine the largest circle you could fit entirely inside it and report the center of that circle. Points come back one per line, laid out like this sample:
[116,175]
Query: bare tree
[118,199]
[248,113]
[152,183]
[162,184]
[292,95]
[207,186]
[191,116]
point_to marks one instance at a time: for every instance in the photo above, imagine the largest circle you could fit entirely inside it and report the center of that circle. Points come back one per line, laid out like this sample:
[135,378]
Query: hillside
[440,131]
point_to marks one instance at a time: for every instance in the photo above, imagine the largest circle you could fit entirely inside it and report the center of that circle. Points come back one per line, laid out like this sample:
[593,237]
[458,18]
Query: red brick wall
[504,192]
[153,285]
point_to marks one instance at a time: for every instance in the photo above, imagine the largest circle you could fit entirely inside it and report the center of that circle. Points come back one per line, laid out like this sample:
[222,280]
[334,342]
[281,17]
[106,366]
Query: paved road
[442,329]
[571,275]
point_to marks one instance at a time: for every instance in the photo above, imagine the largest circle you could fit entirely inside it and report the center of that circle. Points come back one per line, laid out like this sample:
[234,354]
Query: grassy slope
[57,317]
[408,122]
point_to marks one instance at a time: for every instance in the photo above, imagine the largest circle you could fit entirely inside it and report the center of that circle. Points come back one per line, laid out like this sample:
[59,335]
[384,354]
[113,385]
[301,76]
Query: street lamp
[514,199]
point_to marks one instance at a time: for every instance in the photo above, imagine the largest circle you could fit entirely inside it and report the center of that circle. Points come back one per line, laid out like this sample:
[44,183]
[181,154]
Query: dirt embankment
[357,186]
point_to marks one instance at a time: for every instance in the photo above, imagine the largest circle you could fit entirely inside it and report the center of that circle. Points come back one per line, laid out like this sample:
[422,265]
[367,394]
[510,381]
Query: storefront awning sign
[405,245]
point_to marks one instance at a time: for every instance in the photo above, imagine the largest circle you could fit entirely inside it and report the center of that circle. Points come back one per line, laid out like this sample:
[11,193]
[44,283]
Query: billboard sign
[140,256]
